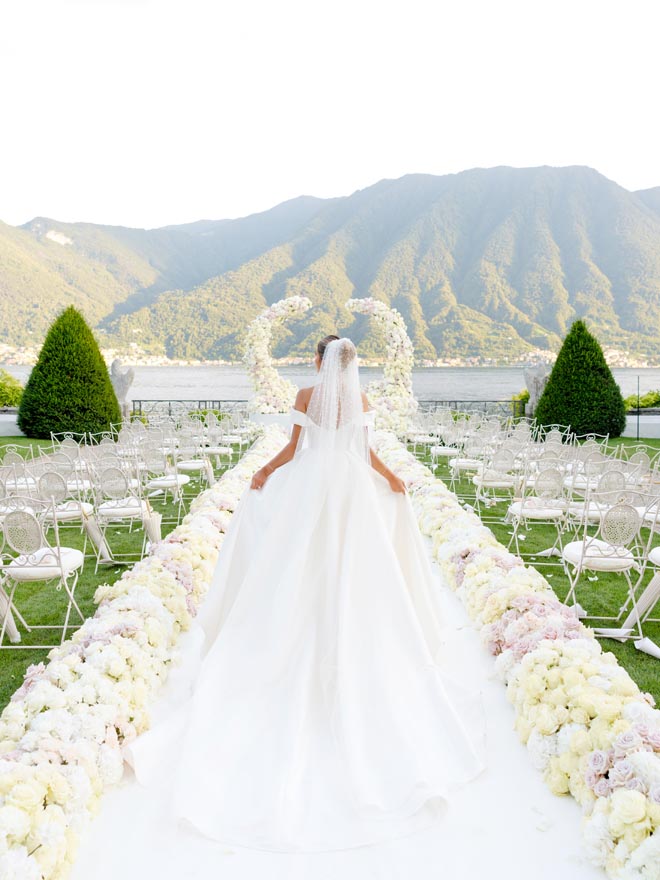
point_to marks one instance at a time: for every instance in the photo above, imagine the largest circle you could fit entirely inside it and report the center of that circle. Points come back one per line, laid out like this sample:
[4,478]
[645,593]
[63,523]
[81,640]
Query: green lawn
[42,604]
[603,596]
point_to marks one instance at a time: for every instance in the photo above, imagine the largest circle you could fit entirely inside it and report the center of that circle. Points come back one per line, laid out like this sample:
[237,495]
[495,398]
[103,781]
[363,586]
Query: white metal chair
[120,505]
[613,548]
[28,558]
[543,502]
[497,480]
[191,460]
[161,479]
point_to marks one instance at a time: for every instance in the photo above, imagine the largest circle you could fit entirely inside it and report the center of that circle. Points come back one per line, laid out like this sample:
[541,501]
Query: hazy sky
[149,112]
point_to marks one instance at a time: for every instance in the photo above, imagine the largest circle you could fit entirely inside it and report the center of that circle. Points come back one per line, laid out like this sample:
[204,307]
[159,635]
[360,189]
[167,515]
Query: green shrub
[651,398]
[523,396]
[581,391]
[220,414]
[10,389]
[69,388]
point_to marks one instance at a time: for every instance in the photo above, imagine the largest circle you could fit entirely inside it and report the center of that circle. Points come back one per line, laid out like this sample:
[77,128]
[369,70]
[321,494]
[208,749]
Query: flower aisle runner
[586,725]
[62,732]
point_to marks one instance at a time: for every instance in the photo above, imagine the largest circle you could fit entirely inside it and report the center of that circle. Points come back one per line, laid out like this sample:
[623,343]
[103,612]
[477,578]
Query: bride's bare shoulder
[302,398]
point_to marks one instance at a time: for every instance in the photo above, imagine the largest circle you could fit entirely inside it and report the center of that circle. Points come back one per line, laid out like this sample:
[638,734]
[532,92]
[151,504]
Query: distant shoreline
[29,360]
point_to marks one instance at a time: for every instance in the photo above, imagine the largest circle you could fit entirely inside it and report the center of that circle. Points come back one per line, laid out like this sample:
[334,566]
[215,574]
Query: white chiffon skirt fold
[315,712]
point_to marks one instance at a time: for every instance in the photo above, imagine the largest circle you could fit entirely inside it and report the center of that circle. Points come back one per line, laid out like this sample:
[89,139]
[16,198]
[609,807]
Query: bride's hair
[347,353]
[323,344]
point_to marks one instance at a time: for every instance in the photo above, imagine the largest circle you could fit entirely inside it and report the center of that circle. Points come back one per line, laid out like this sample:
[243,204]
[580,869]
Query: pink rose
[636,784]
[621,773]
[599,762]
[627,742]
[602,788]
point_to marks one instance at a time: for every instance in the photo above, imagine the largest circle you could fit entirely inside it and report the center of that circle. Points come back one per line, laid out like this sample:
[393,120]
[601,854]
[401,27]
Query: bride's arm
[285,454]
[396,483]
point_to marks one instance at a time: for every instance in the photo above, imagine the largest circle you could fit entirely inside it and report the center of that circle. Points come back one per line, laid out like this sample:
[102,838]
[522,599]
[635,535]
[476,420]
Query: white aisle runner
[505,824]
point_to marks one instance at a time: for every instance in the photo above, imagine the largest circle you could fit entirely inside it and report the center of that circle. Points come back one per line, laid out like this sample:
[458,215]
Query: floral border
[586,725]
[61,733]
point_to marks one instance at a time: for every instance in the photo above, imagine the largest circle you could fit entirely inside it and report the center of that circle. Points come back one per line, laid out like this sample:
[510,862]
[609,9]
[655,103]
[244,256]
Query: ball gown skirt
[320,715]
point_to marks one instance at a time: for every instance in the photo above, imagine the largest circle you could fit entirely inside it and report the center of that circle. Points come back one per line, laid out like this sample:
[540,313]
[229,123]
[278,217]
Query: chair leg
[70,589]
[631,594]
[8,611]
[572,585]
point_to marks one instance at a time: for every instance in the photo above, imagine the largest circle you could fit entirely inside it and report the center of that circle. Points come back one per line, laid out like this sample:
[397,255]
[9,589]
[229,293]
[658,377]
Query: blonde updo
[347,352]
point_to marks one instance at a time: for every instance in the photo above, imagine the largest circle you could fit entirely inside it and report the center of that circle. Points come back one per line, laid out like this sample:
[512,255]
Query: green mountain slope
[488,262]
[108,271]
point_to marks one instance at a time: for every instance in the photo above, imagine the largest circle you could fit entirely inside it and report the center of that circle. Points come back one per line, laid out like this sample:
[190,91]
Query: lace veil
[335,414]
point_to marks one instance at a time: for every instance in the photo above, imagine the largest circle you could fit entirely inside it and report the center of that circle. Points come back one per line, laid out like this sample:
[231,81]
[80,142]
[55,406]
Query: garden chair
[120,505]
[159,478]
[543,502]
[28,559]
[612,547]
[496,481]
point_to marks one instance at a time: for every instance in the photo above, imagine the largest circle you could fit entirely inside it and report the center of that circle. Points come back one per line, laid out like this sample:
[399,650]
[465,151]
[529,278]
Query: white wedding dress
[319,717]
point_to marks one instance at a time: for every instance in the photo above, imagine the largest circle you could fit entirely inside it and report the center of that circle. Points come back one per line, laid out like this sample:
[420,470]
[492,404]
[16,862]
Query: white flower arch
[272,393]
[392,397]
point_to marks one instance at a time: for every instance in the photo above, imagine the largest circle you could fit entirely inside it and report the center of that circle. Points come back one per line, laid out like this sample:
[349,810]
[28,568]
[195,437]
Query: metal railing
[140,408]
[506,408]
[146,408]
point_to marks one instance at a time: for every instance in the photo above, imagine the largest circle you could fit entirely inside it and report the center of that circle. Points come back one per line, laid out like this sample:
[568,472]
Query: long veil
[335,413]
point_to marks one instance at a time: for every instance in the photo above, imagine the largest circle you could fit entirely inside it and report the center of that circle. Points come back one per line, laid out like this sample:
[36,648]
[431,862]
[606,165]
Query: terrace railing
[145,408]
[504,408]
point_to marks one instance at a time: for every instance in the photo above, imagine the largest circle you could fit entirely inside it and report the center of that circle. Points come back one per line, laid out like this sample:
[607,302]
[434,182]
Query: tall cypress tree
[69,388]
[581,391]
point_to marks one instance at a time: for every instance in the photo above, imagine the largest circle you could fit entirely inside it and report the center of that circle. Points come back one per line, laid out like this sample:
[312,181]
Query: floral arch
[272,393]
[392,396]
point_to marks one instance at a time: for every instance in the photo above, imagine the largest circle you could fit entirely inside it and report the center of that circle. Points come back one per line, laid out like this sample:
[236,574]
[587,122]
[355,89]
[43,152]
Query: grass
[603,596]
[41,603]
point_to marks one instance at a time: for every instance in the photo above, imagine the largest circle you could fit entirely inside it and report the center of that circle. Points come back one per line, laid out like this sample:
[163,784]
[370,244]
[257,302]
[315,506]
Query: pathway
[503,826]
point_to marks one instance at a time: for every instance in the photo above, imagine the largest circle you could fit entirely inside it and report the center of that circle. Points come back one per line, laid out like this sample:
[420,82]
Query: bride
[319,716]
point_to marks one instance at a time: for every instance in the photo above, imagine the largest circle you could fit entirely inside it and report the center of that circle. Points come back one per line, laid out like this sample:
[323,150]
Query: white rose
[14,822]
[627,807]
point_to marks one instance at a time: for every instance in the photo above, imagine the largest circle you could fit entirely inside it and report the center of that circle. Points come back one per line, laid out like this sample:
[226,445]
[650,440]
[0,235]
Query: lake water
[434,383]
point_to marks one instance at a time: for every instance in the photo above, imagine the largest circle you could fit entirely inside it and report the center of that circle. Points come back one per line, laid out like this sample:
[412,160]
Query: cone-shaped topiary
[69,388]
[581,391]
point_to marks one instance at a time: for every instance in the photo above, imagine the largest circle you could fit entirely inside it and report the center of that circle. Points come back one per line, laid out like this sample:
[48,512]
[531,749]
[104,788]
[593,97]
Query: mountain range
[488,262]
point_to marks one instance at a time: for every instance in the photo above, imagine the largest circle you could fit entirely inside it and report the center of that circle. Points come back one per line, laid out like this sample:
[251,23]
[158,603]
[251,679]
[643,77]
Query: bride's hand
[397,484]
[259,479]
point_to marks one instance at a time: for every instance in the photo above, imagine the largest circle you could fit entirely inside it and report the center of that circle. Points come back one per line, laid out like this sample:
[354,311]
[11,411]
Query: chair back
[549,483]
[113,483]
[52,487]
[23,532]
[620,525]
